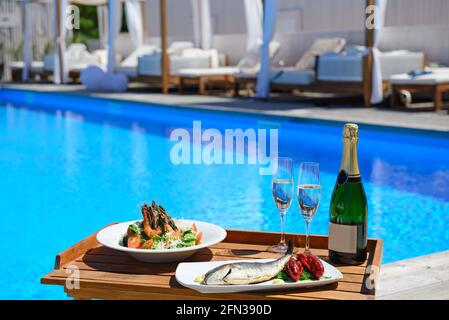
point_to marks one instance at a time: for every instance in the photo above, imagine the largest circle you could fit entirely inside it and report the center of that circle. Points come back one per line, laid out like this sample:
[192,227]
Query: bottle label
[343,238]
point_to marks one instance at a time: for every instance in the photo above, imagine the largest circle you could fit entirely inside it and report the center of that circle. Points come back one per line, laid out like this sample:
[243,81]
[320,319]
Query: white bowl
[112,236]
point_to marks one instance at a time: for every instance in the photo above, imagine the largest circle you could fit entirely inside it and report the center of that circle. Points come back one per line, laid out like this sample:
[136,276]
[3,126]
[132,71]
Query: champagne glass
[309,194]
[282,187]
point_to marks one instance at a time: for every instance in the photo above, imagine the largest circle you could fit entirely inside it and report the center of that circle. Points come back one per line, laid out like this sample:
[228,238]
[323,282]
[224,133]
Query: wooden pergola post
[144,22]
[368,61]
[164,56]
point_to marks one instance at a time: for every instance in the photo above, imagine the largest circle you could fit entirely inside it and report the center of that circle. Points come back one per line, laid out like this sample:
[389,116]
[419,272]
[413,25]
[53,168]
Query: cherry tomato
[134,242]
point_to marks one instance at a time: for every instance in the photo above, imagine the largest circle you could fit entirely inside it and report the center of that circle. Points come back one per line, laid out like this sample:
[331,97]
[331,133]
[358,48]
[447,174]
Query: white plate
[112,236]
[188,271]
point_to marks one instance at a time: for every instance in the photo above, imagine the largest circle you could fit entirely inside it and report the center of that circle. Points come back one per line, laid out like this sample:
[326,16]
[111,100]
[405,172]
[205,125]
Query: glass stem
[307,249]
[282,228]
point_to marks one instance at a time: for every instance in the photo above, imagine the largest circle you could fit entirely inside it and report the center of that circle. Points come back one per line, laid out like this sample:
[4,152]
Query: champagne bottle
[348,209]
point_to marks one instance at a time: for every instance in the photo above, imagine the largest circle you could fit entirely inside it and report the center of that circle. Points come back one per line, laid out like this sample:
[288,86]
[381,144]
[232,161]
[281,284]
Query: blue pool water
[70,165]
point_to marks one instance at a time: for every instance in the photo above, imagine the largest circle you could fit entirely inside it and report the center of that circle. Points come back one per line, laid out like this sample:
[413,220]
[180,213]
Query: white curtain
[102,15]
[379,20]
[202,24]
[253,13]
[269,24]
[114,26]
[26,47]
[60,76]
[134,20]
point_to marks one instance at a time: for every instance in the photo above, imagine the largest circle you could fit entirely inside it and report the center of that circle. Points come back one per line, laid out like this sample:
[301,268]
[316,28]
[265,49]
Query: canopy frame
[90,3]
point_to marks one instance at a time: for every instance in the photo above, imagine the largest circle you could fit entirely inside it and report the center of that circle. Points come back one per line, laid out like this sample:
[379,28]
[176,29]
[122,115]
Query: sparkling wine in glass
[282,188]
[309,194]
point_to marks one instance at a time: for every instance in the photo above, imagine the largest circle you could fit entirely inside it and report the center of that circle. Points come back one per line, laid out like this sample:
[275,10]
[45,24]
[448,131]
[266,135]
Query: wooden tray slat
[109,274]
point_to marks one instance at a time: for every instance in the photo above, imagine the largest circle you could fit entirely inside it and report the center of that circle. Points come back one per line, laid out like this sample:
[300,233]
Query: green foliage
[89,24]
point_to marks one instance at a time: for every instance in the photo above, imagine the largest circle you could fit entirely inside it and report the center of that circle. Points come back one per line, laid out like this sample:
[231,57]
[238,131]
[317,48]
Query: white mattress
[150,65]
[434,78]
[196,72]
[292,77]
[349,67]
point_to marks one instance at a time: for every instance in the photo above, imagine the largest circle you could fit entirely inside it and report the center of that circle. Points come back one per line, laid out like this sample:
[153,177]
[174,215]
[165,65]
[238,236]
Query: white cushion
[177,47]
[400,61]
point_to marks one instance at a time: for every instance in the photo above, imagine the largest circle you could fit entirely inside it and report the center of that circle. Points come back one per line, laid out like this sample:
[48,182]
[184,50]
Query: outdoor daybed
[249,65]
[347,71]
[77,58]
[181,55]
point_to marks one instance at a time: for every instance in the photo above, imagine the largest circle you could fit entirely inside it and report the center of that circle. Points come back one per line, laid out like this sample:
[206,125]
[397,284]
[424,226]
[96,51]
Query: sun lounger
[303,73]
[16,68]
[435,82]
[248,67]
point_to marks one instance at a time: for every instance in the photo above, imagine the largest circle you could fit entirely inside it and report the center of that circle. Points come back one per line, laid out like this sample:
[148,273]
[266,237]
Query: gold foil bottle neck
[351,133]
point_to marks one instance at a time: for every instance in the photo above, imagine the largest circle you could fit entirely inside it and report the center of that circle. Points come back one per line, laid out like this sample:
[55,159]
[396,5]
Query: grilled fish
[247,272]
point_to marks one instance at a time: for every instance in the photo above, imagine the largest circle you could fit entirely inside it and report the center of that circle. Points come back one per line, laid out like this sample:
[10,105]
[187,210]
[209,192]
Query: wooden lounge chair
[248,66]
[435,82]
[303,73]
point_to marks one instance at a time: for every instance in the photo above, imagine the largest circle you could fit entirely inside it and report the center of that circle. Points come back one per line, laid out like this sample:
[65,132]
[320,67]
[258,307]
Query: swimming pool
[71,164]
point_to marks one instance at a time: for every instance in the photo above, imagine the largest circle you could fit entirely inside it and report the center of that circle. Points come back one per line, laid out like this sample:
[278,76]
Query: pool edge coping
[236,110]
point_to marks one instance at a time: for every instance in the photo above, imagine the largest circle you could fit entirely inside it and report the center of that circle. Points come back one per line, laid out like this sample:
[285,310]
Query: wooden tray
[108,274]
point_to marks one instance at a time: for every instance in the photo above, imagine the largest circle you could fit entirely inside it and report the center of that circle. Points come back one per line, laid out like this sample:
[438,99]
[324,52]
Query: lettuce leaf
[306,275]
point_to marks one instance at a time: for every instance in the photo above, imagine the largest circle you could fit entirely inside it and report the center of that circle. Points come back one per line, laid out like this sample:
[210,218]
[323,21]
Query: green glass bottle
[348,209]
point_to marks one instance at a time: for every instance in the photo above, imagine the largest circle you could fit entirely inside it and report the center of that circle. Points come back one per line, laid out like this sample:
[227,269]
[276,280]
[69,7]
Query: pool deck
[419,278]
[423,118]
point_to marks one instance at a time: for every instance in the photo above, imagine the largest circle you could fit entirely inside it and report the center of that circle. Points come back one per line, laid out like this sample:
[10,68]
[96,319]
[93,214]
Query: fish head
[217,275]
